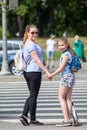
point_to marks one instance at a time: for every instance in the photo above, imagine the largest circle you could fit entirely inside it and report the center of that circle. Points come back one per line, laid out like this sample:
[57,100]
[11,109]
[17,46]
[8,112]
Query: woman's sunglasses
[34,33]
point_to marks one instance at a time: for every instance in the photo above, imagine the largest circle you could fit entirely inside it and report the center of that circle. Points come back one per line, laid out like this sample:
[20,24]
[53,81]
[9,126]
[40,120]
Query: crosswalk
[14,94]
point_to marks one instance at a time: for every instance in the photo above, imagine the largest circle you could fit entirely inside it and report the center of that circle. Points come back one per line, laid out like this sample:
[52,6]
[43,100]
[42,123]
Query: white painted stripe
[43,82]
[43,87]
[39,115]
[42,101]
[44,109]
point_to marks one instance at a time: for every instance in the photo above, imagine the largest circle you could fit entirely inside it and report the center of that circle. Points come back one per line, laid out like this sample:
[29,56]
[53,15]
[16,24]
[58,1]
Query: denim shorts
[67,80]
[50,55]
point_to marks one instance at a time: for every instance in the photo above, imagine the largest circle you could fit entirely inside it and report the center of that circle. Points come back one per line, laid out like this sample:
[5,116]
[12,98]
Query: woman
[67,80]
[32,54]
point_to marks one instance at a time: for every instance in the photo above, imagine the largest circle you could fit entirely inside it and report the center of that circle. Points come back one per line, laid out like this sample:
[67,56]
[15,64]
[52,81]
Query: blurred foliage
[61,17]
[0,32]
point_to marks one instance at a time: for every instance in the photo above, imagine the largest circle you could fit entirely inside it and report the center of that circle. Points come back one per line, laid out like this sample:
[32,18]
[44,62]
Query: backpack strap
[29,60]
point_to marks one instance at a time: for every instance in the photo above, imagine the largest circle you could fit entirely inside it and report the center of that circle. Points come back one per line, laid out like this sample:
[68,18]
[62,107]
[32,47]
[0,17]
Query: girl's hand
[48,76]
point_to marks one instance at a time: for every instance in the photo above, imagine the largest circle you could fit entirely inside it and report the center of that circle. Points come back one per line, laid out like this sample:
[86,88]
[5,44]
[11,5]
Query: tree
[51,16]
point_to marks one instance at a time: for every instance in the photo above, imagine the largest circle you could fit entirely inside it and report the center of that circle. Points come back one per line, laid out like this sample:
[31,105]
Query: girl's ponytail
[71,50]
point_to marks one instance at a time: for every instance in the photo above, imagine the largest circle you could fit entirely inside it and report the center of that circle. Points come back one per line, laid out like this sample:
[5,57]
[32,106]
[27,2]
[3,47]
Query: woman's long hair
[27,29]
[64,40]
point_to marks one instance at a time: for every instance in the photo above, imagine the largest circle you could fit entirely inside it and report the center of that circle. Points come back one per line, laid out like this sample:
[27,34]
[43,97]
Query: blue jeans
[33,80]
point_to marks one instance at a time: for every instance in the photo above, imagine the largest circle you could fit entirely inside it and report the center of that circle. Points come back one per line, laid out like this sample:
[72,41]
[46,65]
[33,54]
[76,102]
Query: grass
[57,55]
[42,43]
[85,53]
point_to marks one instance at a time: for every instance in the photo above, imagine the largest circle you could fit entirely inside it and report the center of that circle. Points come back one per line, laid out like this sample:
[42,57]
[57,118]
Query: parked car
[12,48]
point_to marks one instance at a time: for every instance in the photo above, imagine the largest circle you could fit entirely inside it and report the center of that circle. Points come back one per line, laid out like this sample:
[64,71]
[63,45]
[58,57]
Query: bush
[0,32]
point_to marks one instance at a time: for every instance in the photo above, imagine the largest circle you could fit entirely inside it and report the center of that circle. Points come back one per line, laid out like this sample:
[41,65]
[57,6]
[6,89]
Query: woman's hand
[48,76]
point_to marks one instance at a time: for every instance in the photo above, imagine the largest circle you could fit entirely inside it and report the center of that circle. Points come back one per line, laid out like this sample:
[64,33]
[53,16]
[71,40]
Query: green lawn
[57,55]
[42,43]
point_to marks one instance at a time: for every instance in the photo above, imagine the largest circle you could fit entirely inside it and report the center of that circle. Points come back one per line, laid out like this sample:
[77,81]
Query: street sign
[13,4]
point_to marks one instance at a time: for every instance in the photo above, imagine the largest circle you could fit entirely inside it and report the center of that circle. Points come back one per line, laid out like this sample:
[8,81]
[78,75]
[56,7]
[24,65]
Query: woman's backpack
[19,60]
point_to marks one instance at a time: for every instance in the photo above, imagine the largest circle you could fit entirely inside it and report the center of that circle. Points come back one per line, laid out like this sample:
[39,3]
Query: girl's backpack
[75,65]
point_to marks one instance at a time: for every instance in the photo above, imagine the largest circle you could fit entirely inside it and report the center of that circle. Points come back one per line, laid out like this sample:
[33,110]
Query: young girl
[67,80]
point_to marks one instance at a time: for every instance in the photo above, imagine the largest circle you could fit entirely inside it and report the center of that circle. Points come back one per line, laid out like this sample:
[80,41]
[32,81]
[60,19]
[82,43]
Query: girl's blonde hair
[27,29]
[64,40]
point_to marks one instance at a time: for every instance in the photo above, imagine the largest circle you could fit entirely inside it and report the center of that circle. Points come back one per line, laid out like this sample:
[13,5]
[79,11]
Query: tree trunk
[40,21]
[51,20]
[21,20]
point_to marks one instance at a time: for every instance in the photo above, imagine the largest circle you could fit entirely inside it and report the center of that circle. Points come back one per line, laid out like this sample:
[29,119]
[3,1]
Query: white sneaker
[64,124]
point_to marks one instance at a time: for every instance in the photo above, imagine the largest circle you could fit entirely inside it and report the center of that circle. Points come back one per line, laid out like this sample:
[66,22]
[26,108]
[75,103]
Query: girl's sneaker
[64,124]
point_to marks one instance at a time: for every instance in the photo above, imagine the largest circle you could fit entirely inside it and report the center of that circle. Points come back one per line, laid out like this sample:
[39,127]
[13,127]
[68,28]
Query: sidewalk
[19,126]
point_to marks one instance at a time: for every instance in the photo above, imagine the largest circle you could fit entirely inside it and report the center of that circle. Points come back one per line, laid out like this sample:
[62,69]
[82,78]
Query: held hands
[48,76]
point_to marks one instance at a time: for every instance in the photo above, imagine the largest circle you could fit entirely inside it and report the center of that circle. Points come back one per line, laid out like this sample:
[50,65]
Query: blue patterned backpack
[75,65]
